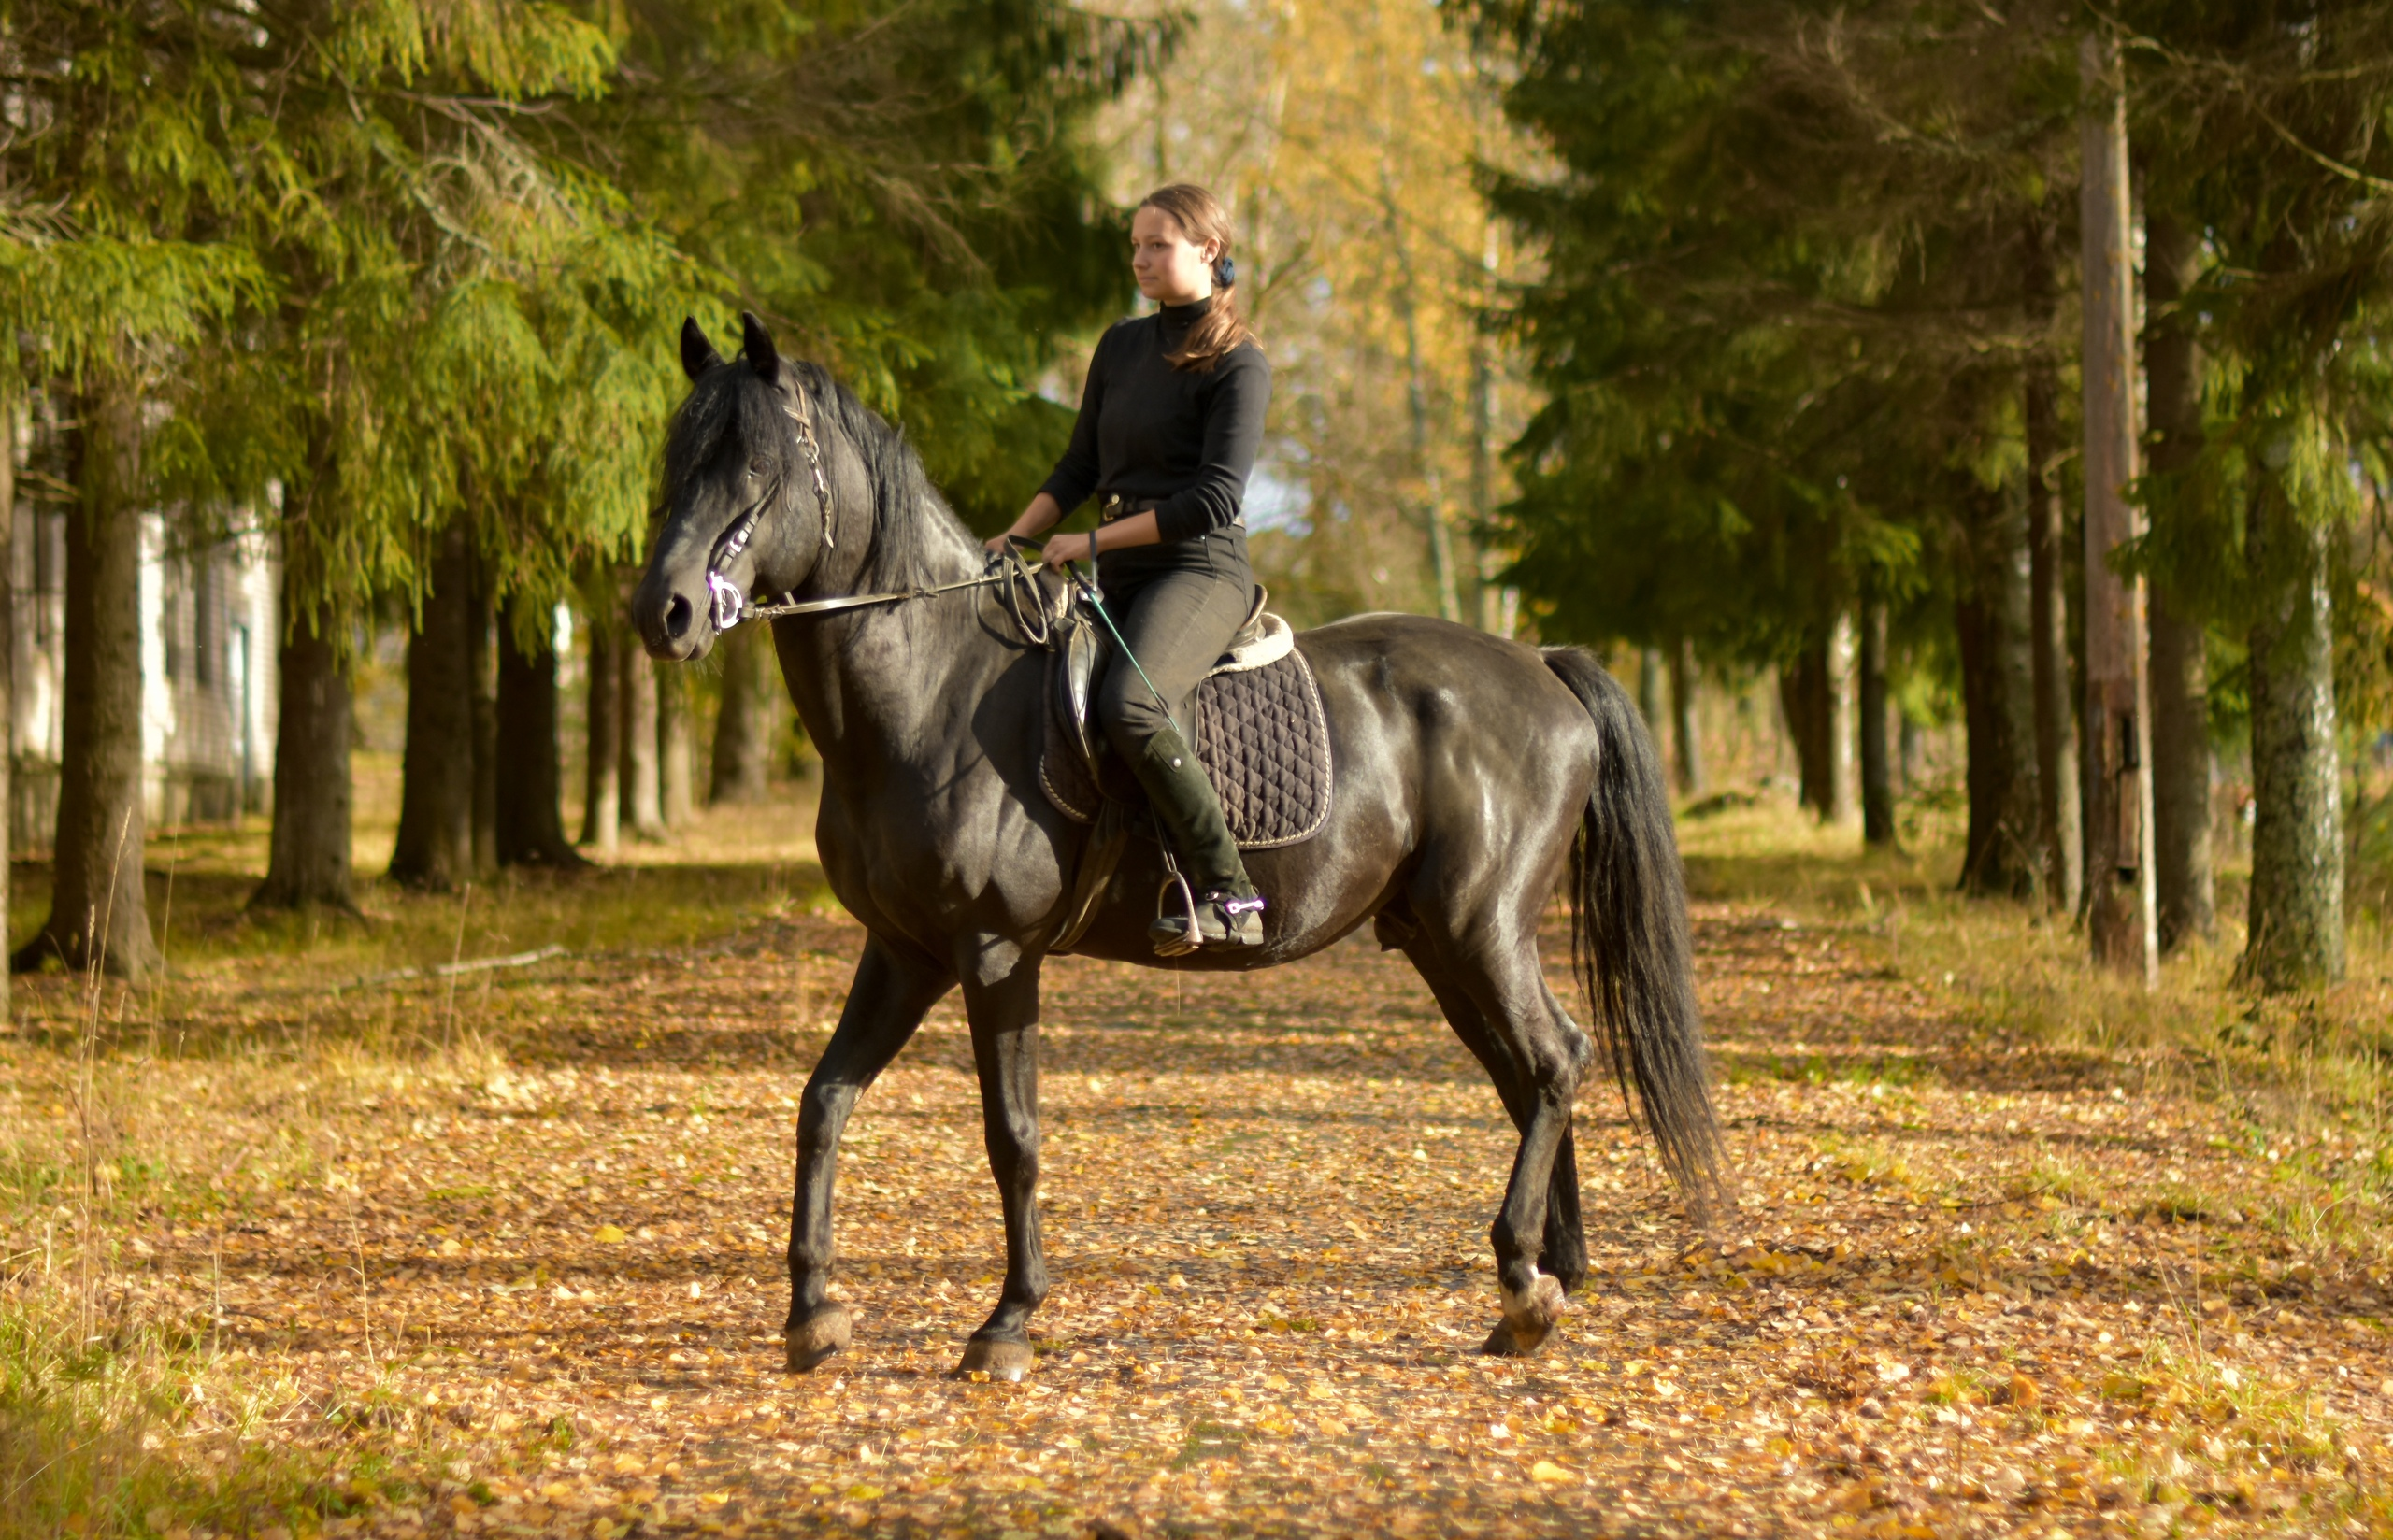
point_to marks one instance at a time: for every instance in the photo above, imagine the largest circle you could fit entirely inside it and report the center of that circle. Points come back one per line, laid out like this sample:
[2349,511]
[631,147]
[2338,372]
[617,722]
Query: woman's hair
[1201,217]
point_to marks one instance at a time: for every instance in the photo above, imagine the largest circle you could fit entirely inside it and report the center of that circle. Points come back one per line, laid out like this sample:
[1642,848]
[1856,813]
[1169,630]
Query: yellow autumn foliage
[1343,136]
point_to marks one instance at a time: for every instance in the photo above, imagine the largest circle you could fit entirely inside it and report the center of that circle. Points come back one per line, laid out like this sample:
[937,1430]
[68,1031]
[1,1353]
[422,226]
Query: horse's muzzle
[675,616]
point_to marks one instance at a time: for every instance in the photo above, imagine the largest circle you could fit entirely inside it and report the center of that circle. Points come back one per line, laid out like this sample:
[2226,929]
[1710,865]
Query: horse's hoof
[1529,1318]
[818,1337]
[1501,1343]
[998,1359]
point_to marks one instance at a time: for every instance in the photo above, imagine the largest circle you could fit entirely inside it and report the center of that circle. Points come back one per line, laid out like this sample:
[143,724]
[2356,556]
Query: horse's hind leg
[1495,965]
[886,1001]
[1562,1251]
[1001,999]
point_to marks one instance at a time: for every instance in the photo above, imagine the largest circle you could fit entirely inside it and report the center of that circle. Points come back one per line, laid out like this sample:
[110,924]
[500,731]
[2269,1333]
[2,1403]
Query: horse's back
[1443,679]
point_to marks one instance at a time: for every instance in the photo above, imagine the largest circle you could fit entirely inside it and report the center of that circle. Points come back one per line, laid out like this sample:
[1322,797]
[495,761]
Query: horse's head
[742,513]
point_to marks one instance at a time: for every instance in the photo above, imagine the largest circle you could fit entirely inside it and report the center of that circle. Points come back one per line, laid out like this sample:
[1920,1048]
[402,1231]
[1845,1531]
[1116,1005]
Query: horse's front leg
[1001,998]
[892,991]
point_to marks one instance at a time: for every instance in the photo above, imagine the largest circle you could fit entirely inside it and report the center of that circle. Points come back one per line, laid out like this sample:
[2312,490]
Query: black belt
[1113,505]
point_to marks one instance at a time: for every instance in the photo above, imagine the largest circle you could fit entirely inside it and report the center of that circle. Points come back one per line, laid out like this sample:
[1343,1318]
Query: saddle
[1259,729]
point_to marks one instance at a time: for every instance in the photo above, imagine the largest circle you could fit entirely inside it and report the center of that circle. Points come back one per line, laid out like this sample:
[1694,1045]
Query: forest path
[1969,1286]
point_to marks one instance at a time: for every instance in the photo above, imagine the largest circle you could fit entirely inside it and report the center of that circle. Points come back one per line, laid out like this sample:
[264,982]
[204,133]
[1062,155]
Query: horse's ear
[697,353]
[762,356]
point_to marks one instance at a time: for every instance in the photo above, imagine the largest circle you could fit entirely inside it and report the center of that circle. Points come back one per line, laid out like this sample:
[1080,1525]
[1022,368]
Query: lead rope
[1095,600]
[1175,881]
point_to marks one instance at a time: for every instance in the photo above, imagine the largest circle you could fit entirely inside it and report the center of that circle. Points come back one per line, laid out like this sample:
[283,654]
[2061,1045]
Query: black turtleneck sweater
[1181,439]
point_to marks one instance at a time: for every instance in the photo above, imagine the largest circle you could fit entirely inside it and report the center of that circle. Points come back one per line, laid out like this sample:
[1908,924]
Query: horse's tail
[1629,943]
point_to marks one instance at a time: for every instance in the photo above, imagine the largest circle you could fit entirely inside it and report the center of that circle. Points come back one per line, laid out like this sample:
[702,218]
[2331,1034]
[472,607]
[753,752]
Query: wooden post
[2119,877]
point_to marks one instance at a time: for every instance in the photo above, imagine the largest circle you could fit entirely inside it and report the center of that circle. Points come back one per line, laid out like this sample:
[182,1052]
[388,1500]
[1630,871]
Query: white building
[209,633]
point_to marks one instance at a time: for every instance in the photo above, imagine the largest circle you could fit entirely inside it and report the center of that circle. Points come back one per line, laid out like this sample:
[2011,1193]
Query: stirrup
[1214,921]
[1175,934]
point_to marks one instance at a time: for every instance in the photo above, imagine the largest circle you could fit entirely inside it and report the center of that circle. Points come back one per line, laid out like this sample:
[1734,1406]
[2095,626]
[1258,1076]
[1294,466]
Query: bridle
[731,606]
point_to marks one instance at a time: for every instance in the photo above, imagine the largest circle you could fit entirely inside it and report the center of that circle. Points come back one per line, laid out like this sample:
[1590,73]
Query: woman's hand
[1069,547]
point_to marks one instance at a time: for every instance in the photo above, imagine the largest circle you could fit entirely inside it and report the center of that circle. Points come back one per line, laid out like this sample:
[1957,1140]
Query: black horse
[1470,773]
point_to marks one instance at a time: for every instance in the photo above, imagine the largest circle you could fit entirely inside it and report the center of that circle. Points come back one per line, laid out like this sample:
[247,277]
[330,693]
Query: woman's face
[1171,268]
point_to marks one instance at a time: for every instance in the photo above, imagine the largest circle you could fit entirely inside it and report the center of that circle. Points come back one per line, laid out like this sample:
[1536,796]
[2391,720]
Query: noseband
[729,603]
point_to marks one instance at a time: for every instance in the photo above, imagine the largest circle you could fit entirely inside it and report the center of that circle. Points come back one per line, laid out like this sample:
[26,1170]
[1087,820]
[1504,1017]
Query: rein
[1014,573]
[793,608]
[731,606]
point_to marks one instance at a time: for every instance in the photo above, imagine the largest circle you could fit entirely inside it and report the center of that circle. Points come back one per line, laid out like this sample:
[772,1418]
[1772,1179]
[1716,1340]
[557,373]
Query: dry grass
[2303,1062]
[254,1097]
[205,1100]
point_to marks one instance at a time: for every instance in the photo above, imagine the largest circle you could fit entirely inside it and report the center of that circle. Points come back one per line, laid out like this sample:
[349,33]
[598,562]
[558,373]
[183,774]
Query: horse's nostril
[676,617]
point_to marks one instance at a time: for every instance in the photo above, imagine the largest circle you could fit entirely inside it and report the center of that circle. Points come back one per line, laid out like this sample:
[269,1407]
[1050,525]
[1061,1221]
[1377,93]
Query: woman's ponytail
[1221,329]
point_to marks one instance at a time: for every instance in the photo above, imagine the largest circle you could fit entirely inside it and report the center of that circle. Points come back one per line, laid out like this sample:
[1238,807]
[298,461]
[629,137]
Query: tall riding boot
[1221,911]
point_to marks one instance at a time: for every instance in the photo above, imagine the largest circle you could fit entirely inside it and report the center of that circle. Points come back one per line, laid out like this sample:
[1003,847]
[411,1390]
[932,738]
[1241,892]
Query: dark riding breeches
[1177,623]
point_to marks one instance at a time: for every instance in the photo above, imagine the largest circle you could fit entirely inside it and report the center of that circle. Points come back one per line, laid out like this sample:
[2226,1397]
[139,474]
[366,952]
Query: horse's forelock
[727,401]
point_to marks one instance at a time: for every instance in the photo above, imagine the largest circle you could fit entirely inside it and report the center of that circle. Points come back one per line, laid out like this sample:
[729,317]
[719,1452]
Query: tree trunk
[2002,854]
[673,750]
[2120,922]
[308,863]
[1877,769]
[2181,778]
[530,821]
[747,725]
[9,445]
[2296,912]
[485,655]
[1686,678]
[1433,510]
[600,820]
[1649,693]
[1803,691]
[2181,751]
[99,917]
[2060,811]
[642,808]
[2060,814]
[1844,782]
[435,842]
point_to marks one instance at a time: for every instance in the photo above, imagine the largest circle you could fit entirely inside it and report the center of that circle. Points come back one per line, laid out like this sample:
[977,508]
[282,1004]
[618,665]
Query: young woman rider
[1168,430]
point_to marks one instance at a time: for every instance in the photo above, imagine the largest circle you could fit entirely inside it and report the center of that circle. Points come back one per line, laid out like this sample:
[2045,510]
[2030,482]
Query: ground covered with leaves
[500,1252]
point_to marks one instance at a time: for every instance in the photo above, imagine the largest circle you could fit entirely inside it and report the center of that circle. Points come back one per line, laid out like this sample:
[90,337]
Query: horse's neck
[871,684]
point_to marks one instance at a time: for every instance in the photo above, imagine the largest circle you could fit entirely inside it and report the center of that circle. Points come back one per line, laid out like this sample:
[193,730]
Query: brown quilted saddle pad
[1261,735]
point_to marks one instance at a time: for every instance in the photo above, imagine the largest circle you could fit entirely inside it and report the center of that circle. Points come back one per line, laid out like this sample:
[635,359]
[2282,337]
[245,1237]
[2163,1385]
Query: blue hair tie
[1226,273]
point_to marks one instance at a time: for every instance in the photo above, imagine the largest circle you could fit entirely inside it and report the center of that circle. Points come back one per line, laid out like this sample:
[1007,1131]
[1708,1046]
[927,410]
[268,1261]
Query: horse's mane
[908,514]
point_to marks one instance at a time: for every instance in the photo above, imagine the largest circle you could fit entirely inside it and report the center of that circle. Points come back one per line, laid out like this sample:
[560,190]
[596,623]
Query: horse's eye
[759,466]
